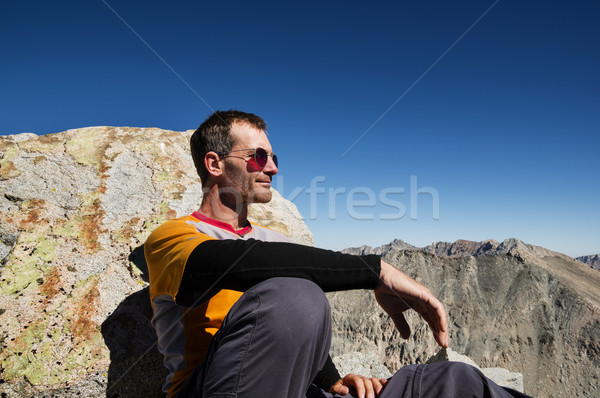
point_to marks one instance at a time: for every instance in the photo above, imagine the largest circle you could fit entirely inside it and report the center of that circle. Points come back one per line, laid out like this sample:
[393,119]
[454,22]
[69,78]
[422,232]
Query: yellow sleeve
[167,250]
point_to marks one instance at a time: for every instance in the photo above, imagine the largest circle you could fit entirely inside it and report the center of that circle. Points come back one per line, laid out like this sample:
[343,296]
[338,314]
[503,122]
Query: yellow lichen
[84,147]
[9,170]
[19,360]
[34,249]
[48,144]
[162,176]
[19,272]
[10,151]
[86,225]
[164,213]
[37,352]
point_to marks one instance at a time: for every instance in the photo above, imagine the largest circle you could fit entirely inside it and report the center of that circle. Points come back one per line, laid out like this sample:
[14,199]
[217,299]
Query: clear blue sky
[493,107]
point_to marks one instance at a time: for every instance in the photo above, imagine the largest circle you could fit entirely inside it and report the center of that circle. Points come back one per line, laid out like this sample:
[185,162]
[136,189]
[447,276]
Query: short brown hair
[214,135]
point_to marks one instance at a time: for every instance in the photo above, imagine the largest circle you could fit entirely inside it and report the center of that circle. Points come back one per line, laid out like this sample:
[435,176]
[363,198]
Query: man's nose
[270,168]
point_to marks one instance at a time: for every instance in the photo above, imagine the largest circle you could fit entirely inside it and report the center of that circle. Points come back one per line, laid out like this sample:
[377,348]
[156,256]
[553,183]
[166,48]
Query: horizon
[428,122]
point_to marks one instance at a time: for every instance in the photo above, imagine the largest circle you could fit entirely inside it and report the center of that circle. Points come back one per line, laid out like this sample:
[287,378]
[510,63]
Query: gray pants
[277,336]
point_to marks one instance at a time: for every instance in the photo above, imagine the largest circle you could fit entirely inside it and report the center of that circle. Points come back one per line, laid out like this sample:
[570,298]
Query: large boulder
[75,210]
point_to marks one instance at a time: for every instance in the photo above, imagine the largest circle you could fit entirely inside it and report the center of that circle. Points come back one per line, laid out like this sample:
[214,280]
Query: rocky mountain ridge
[509,304]
[511,246]
[591,260]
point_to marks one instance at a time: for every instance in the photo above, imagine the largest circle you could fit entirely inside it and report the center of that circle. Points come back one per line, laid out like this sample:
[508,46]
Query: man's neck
[213,207]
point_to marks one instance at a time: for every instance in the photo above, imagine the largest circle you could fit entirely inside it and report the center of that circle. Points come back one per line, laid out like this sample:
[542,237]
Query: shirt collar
[223,225]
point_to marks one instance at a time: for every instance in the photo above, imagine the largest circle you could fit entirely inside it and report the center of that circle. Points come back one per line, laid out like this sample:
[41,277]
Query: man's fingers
[435,316]
[432,311]
[360,387]
[365,387]
[339,388]
[440,335]
[378,385]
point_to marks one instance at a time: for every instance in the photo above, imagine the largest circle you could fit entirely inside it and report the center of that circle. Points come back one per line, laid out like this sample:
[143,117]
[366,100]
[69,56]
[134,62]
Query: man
[240,311]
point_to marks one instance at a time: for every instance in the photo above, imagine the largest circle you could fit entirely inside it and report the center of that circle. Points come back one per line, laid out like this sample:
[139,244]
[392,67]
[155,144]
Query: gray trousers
[277,336]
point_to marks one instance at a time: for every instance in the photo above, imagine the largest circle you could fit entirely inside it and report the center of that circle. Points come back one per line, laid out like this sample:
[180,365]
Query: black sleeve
[240,264]
[327,376]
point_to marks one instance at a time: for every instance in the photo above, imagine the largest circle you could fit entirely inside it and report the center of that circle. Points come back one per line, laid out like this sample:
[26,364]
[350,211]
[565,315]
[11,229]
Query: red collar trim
[221,224]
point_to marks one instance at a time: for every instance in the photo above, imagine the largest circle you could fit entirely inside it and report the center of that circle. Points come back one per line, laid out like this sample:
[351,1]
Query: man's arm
[240,264]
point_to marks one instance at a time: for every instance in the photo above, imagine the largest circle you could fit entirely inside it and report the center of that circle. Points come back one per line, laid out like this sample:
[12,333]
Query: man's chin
[262,197]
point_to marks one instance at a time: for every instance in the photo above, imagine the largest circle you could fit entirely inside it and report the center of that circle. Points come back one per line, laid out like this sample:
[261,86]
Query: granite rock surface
[75,210]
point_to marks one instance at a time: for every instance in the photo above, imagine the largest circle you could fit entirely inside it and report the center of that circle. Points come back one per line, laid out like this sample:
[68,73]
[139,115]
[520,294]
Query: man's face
[244,181]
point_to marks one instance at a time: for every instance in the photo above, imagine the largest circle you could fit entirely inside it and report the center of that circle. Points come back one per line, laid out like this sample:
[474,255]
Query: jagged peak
[359,251]
[512,246]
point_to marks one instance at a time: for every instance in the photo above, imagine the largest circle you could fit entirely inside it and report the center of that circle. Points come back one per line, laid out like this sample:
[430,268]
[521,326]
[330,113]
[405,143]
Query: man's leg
[444,380]
[439,380]
[271,344]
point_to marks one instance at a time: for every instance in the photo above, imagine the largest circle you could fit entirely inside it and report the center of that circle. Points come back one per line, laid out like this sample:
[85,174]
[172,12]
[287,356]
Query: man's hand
[365,387]
[397,292]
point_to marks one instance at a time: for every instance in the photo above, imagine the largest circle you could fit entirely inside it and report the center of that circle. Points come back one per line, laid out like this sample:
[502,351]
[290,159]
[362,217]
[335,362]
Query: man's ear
[212,164]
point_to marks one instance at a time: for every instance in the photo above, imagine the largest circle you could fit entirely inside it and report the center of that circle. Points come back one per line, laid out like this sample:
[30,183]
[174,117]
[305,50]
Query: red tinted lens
[261,157]
[275,160]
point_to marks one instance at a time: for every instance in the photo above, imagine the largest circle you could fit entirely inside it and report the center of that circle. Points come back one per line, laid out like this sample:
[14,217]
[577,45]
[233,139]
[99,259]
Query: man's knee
[440,379]
[461,370]
[295,302]
[460,378]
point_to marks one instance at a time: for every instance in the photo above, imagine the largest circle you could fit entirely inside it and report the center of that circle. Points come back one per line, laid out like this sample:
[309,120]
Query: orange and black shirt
[199,267]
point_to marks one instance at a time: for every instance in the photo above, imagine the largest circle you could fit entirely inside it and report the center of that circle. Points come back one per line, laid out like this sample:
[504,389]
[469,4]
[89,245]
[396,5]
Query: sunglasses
[261,156]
